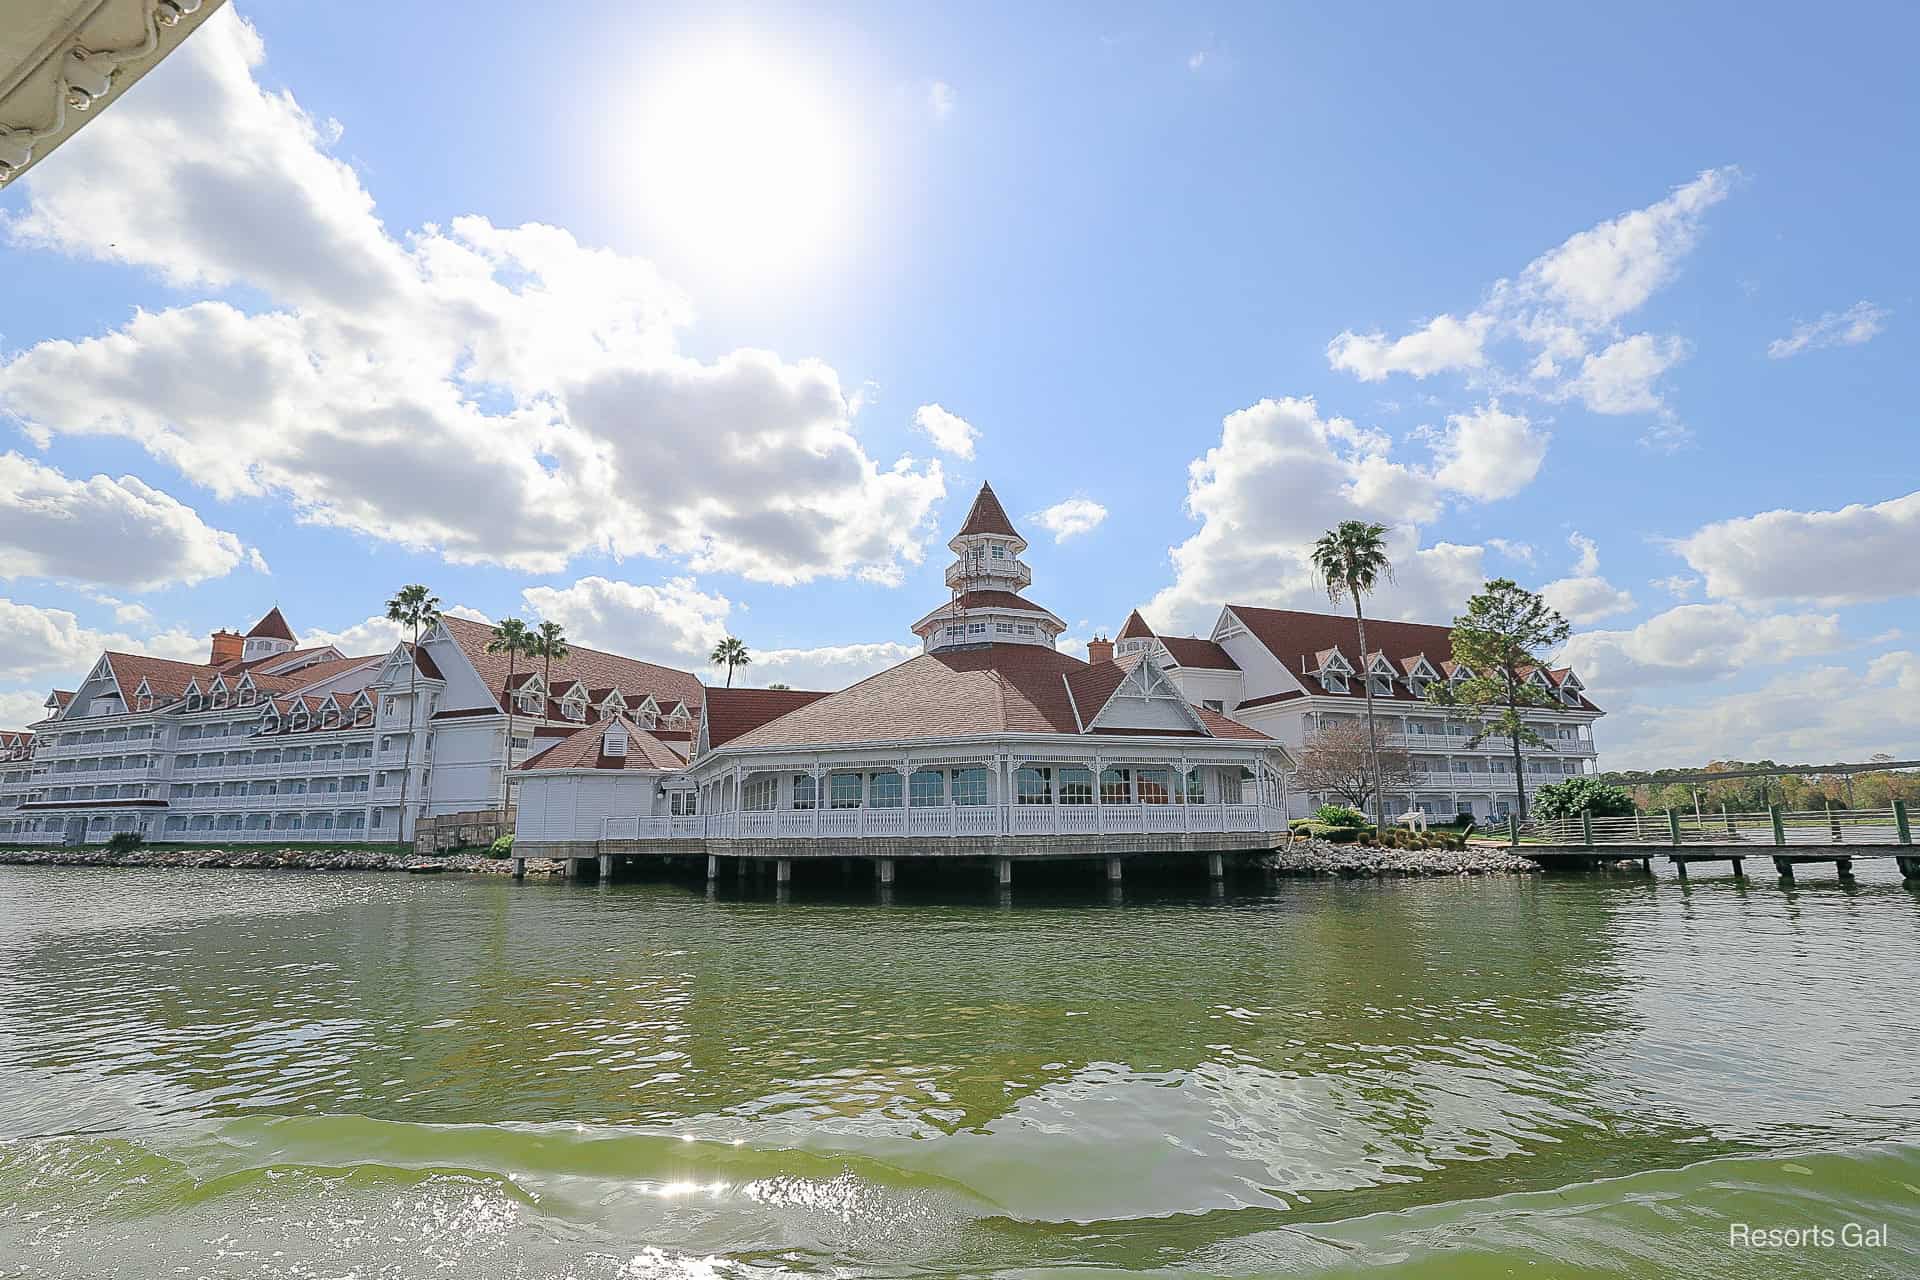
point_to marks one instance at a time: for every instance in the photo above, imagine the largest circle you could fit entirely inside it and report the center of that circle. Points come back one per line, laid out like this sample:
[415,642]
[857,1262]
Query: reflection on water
[283,1074]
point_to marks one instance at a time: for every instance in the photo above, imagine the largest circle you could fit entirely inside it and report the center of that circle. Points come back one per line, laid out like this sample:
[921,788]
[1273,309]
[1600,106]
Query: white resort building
[1289,673]
[989,743]
[267,741]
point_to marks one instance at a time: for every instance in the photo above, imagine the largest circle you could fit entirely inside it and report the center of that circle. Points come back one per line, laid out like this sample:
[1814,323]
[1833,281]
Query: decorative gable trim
[1146,682]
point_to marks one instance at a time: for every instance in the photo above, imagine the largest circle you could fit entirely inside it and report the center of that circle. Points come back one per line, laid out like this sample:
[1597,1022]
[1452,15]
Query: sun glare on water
[741,161]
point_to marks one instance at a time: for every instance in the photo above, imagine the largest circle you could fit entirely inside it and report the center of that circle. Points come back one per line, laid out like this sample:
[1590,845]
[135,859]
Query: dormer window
[1382,686]
[1334,681]
[574,709]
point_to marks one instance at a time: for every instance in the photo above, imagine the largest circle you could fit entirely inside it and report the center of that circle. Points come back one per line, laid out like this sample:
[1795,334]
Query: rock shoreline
[1319,858]
[269,859]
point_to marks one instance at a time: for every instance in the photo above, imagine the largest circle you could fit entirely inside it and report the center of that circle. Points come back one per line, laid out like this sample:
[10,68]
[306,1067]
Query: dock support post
[1680,865]
[1785,867]
[606,867]
[1909,867]
[1903,831]
[1003,871]
[1779,827]
[713,867]
[1673,826]
[1216,866]
[1845,867]
[783,871]
[1513,830]
[519,868]
[1586,828]
[1646,865]
[1739,869]
[886,870]
[1113,870]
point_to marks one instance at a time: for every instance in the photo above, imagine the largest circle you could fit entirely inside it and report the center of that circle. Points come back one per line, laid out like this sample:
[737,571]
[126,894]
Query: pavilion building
[989,743]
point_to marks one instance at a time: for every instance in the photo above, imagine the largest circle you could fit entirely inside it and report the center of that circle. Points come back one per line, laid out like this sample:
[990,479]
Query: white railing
[953,821]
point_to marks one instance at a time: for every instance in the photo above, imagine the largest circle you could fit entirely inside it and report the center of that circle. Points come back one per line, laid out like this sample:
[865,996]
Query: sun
[741,160]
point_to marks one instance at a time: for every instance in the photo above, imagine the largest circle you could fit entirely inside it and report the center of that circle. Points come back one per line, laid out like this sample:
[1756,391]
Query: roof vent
[615,742]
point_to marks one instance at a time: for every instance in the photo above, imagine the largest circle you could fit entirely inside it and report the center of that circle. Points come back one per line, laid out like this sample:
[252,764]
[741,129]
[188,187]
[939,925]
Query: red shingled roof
[1291,634]
[272,627]
[582,749]
[732,712]
[988,516]
[1135,628]
[1194,653]
[589,666]
[999,600]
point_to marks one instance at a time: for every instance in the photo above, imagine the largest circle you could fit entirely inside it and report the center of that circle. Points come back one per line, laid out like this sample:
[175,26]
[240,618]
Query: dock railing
[1763,829]
[953,821]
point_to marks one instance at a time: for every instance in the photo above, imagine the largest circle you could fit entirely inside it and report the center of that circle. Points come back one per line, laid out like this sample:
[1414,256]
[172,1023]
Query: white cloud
[1558,310]
[941,100]
[1858,553]
[675,624]
[1680,586]
[1488,454]
[1691,643]
[829,667]
[1279,478]
[1621,378]
[1196,60]
[1070,518]
[1443,343]
[1817,715]
[949,432]
[1586,597]
[21,707]
[37,642]
[123,531]
[1859,323]
[1517,551]
[501,395]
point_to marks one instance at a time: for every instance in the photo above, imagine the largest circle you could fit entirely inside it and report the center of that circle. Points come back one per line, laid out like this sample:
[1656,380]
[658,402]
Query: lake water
[256,1074]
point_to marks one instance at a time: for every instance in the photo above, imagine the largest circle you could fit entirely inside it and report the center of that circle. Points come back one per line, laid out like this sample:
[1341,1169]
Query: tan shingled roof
[988,516]
[581,749]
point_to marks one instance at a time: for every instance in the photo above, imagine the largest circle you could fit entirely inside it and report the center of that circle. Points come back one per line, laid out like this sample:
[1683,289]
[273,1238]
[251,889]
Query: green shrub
[124,841]
[501,848]
[1576,796]
[1339,815]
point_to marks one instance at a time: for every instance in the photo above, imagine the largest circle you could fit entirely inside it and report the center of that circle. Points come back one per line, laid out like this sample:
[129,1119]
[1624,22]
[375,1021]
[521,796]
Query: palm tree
[415,607]
[731,653]
[511,637]
[1351,560]
[550,646]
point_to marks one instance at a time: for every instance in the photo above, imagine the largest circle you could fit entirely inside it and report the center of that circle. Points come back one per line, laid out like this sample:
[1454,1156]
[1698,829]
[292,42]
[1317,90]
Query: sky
[706,320]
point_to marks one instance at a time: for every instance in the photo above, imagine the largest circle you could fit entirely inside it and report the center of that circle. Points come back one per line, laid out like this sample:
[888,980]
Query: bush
[1576,796]
[125,841]
[1334,834]
[501,848]
[1339,815]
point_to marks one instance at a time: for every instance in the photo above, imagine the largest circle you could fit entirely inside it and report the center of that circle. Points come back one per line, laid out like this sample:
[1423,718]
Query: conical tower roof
[272,627]
[1135,628]
[988,516]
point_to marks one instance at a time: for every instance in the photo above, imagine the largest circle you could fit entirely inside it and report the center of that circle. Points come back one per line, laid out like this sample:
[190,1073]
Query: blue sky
[637,320]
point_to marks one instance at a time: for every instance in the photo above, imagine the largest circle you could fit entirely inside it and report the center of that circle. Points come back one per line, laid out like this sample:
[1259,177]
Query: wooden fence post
[1586,827]
[1513,830]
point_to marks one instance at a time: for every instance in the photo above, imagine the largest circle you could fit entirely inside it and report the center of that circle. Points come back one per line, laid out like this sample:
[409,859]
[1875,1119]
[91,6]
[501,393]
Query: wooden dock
[1791,839]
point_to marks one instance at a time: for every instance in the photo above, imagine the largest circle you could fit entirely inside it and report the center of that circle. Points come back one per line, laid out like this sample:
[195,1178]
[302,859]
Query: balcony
[954,821]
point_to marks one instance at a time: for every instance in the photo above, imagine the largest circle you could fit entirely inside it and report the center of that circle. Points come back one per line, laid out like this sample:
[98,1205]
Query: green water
[255,1074]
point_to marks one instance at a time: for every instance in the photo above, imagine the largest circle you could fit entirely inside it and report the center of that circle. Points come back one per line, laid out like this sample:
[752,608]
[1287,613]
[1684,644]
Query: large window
[805,791]
[1033,785]
[1116,786]
[929,788]
[883,790]
[843,791]
[1076,786]
[970,786]
[1152,784]
[760,793]
[1196,787]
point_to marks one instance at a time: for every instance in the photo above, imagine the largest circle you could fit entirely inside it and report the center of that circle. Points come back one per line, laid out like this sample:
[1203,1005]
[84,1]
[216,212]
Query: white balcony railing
[954,820]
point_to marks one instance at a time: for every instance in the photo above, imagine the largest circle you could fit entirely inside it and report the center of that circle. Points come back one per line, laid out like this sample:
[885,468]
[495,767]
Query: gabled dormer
[196,698]
[1143,699]
[1571,689]
[217,693]
[361,712]
[245,691]
[269,719]
[1380,674]
[528,693]
[610,703]
[1332,670]
[1538,679]
[1421,675]
[143,696]
[677,716]
[573,702]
